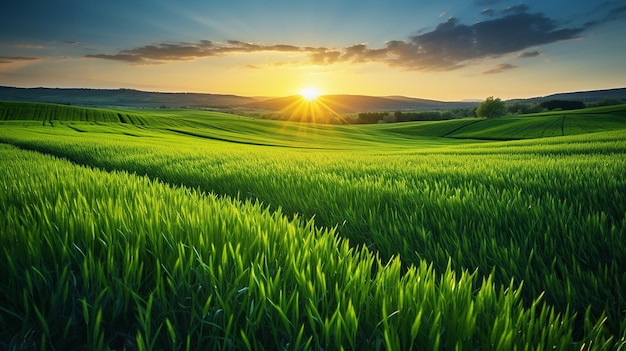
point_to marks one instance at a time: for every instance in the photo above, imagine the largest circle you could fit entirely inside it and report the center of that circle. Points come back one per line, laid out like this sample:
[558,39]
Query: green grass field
[183,229]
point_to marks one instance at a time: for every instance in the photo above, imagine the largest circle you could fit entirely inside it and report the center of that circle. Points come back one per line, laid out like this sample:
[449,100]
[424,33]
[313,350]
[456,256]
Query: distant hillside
[584,96]
[337,103]
[121,98]
[360,103]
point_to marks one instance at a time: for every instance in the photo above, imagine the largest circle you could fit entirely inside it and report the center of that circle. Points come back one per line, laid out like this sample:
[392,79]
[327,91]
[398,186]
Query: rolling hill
[129,98]
[237,129]
[121,98]
[584,96]
[361,103]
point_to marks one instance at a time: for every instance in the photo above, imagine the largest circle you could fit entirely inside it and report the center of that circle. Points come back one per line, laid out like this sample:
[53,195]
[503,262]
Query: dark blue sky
[445,50]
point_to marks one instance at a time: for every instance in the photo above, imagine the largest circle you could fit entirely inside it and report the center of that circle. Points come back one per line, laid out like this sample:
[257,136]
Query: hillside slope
[238,129]
[359,103]
[590,96]
[559,123]
[121,97]
[10,110]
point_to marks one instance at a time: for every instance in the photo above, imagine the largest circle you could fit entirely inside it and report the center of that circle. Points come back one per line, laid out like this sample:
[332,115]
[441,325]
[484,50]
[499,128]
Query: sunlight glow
[311,107]
[309,93]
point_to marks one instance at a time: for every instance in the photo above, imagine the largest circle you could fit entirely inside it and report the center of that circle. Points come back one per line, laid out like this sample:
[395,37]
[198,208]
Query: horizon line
[296,94]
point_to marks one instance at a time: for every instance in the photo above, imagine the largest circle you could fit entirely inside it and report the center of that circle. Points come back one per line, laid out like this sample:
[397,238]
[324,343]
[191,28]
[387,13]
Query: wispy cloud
[500,68]
[486,2]
[615,13]
[119,57]
[488,12]
[529,54]
[519,8]
[451,45]
[185,51]
[13,59]
[29,46]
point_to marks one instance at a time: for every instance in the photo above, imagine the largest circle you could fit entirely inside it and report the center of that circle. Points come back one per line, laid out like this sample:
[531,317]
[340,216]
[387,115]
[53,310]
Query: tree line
[494,107]
[412,116]
[490,108]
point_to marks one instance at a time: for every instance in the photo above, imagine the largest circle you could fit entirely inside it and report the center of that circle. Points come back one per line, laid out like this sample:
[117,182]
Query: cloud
[163,52]
[500,68]
[183,51]
[453,45]
[516,9]
[71,42]
[13,59]
[450,45]
[29,46]
[615,13]
[486,2]
[118,57]
[488,12]
[520,8]
[529,54]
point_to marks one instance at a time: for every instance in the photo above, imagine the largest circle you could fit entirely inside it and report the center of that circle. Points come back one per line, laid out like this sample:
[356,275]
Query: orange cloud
[13,59]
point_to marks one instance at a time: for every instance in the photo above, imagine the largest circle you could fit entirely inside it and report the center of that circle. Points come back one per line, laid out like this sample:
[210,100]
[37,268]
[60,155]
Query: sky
[445,50]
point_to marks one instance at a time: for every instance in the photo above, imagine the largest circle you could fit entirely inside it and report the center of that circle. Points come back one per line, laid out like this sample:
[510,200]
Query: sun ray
[305,108]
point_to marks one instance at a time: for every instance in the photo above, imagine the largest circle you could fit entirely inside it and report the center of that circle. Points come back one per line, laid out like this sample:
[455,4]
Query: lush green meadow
[190,229]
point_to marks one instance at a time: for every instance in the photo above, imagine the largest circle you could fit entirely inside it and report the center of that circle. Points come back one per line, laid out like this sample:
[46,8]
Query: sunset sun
[309,93]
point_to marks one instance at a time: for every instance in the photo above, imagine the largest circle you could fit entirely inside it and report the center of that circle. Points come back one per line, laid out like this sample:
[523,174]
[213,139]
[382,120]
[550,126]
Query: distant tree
[535,108]
[518,108]
[609,102]
[389,118]
[491,107]
[447,115]
[371,117]
[563,104]
[465,112]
